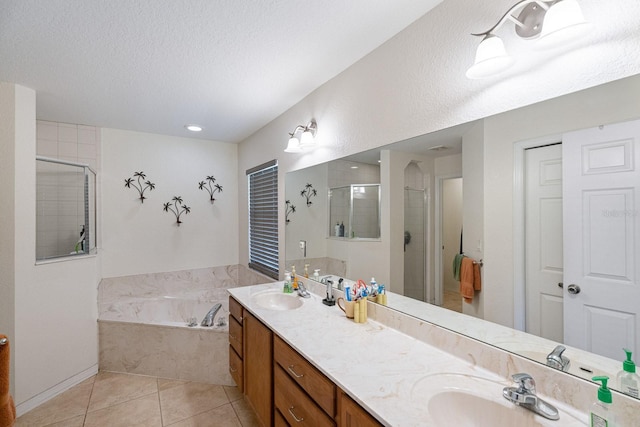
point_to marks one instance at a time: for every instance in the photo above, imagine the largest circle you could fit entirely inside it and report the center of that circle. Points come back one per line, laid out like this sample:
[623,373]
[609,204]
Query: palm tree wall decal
[141,185]
[210,187]
[177,207]
[289,209]
[308,192]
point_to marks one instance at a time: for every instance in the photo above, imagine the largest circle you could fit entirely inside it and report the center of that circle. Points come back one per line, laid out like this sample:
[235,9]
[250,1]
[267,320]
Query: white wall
[415,84]
[451,228]
[142,238]
[55,304]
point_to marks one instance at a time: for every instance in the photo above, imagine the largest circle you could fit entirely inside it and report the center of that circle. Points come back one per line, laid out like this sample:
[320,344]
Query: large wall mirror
[480,188]
[65,209]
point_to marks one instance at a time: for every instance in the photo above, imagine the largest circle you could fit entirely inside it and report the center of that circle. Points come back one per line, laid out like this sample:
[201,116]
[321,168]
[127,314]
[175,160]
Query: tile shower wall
[62,141]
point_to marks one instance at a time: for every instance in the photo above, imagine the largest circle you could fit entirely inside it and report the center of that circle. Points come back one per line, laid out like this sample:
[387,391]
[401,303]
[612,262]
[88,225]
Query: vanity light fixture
[302,138]
[193,128]
[549,22]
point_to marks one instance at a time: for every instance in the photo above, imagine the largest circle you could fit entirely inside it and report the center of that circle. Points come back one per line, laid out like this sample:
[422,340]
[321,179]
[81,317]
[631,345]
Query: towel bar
[480,263]
[3,341]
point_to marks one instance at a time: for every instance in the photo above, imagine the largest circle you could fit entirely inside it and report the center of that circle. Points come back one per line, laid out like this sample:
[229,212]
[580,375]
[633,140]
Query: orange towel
[469,279]
[7,407]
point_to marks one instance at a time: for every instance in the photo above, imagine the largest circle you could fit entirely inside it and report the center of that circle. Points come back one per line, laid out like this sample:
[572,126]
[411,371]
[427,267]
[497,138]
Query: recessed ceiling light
[193,128]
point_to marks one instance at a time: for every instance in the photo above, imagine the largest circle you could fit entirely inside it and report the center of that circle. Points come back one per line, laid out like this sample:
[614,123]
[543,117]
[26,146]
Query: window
[263,218]
[65,209]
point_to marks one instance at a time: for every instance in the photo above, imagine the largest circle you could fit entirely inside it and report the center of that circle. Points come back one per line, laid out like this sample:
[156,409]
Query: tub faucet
[208,319]
[525,395]
[556,360]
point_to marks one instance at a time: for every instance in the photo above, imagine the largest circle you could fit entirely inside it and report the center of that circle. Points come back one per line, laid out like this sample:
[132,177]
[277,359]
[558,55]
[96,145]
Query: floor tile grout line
[159,401]
[86,410]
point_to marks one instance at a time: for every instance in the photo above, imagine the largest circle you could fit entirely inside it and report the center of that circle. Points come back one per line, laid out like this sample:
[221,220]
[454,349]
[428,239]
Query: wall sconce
[549,22]
[305,140]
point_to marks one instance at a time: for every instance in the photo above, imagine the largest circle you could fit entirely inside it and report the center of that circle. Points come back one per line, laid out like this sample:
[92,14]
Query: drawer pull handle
[298,420]
[294,373]
[232,369]
[233,337]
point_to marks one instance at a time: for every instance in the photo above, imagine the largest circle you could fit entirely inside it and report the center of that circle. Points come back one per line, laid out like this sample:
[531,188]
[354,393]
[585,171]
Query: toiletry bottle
[294,279]
[342,229]
[287,283]
[628,380]
[316,275]
[306,271]
[374,286]
[601,411]
[336,230]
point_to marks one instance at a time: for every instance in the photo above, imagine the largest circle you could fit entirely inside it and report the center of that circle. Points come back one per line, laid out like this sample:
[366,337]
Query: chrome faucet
[525,395]
[556,360]
[208,318]
[302,291]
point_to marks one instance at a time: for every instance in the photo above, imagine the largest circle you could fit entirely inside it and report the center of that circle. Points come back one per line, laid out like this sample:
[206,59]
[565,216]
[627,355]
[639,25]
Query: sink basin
[276,300]
[468,400]
[459,408]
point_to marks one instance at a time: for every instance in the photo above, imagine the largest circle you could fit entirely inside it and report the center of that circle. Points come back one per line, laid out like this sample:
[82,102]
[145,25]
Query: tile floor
[452,300]
[114,399]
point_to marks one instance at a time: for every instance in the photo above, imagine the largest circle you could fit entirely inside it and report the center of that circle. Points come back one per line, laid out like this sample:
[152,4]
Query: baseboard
[57,389]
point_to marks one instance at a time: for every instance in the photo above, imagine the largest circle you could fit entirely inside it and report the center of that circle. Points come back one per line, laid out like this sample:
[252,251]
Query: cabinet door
[352,414]
[258,368]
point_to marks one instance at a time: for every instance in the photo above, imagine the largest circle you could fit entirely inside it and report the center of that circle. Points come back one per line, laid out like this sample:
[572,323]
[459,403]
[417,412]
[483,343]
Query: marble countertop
[390,374]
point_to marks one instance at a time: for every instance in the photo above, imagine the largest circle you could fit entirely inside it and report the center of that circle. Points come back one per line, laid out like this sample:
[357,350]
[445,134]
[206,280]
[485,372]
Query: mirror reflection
[506,190]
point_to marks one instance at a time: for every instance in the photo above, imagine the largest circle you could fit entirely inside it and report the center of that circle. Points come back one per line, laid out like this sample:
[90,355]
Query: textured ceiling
[231,66]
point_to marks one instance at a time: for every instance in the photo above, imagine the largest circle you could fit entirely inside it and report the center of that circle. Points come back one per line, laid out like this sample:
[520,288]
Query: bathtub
[143,324]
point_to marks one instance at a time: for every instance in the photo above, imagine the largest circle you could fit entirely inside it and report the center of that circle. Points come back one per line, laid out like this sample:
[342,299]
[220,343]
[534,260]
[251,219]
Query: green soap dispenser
[628,380]
[601,411]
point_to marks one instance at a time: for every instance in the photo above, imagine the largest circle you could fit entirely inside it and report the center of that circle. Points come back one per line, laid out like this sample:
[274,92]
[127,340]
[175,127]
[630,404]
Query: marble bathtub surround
[397,373]
[142,323]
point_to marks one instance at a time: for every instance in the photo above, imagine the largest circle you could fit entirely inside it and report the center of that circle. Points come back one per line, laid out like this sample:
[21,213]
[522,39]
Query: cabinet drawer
[235,335]
[294,405]
[235,369]
[321,390]
[235,309]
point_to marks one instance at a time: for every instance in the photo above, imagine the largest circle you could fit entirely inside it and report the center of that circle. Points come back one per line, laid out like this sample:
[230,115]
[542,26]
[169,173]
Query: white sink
[468,400]
[277,300]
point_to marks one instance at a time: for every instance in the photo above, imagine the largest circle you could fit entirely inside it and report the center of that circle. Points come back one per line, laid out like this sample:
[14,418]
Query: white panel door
[543,239]
[601,199]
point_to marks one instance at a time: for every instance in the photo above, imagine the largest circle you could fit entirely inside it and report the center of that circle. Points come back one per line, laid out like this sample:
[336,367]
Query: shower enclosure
[414,243]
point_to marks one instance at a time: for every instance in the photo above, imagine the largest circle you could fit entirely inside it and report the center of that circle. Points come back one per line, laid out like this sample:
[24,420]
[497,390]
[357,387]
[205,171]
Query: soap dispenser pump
[627,378]
[601,411]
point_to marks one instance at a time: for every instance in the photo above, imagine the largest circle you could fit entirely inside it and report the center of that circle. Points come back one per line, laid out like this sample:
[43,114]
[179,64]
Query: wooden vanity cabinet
[352,414]
[258,368]
[281,386]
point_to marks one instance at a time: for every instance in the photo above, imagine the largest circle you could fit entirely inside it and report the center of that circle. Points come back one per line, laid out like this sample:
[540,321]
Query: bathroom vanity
[305,363]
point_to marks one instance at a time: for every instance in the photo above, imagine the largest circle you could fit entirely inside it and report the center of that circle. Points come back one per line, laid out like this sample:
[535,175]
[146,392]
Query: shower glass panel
[414,244]
[65,209]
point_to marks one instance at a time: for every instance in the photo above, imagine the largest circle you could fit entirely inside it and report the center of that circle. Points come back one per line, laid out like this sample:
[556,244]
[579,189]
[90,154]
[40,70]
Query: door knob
[573,289]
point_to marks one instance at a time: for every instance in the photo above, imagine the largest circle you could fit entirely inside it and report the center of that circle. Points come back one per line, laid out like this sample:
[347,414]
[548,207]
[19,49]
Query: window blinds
[263,218]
